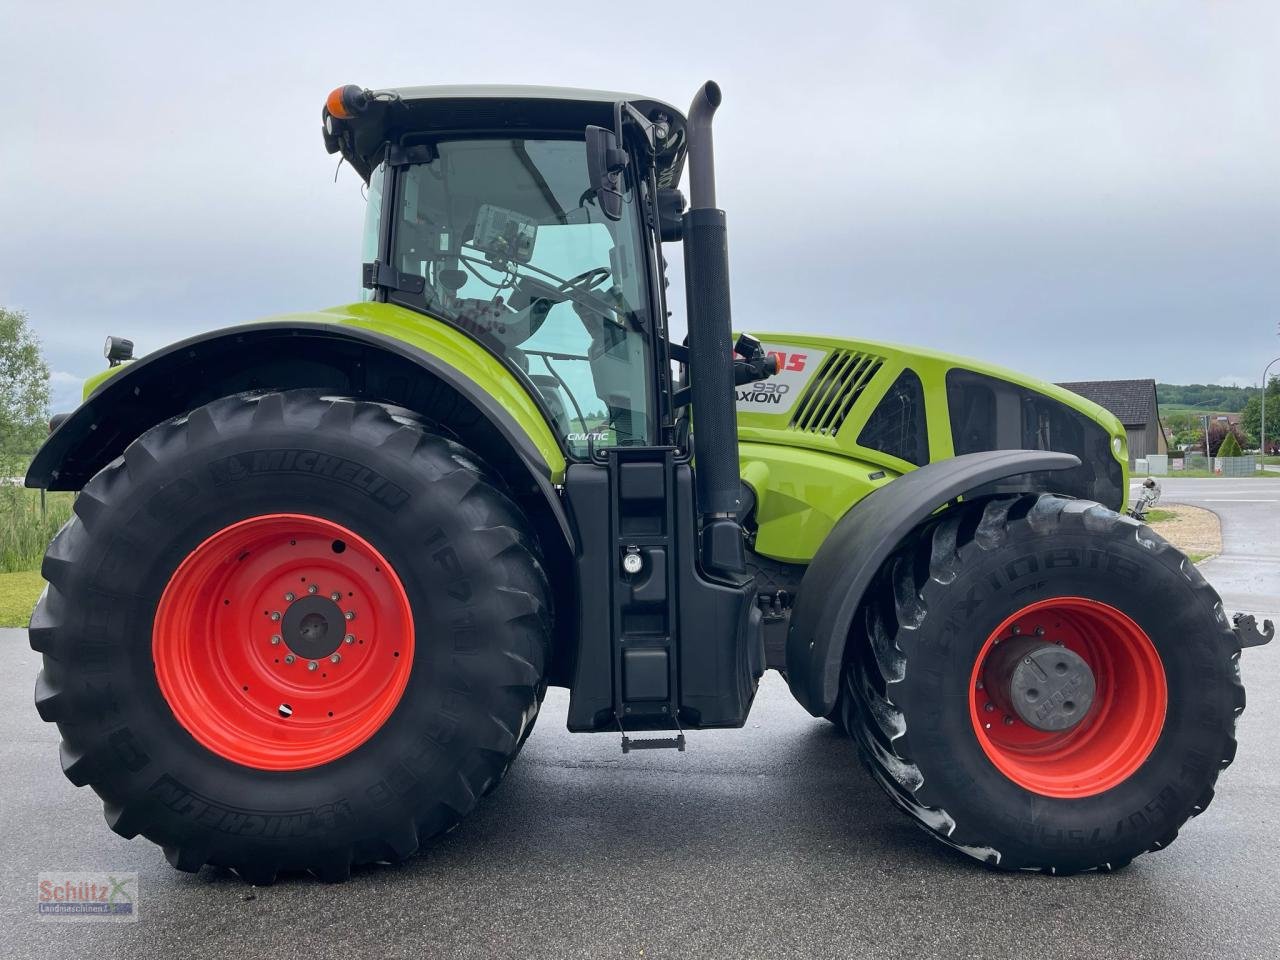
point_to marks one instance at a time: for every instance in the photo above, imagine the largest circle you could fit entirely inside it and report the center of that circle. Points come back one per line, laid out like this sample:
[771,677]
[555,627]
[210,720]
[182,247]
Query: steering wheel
[579,289]
[586,280]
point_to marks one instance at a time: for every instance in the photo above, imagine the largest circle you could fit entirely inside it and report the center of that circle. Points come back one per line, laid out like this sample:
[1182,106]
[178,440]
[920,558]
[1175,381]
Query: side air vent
[840,380]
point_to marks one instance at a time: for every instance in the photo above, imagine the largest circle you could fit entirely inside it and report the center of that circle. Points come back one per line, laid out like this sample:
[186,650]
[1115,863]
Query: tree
[1185,428]
[1251,417]
[24,387]
[1230,447]
[1206,396]
[1218,433]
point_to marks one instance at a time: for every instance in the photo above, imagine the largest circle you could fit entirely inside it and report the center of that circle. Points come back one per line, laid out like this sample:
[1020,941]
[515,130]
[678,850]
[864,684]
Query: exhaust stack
[711,374]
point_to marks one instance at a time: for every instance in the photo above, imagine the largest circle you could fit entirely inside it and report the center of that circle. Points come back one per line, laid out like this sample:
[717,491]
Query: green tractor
[323,567]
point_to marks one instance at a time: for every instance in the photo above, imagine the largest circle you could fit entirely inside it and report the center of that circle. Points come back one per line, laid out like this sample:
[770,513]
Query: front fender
[844,565]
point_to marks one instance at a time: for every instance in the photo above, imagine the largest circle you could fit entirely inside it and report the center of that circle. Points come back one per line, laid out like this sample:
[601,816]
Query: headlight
[1117,444]
[117,350]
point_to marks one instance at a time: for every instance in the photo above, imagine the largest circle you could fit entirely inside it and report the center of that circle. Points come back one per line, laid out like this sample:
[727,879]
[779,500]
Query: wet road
[1247,574]
[757,843]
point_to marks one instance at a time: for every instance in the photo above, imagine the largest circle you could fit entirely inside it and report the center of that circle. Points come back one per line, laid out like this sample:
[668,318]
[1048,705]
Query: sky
[1078,191]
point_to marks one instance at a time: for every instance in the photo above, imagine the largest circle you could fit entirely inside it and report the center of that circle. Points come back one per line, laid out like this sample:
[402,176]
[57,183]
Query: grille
[840,380]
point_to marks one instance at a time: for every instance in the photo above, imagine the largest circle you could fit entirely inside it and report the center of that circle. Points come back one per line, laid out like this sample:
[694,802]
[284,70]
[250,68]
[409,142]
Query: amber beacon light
[347,101]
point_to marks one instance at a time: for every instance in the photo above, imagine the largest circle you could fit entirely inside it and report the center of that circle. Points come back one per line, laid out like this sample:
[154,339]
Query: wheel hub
[313,627]
[1052,688]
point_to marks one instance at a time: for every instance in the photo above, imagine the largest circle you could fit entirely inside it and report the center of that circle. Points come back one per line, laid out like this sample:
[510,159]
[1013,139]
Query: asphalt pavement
[765,842]
[1247,574]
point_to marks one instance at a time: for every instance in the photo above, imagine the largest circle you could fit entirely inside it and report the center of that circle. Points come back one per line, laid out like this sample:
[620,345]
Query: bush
[1218,433]
[1230,447]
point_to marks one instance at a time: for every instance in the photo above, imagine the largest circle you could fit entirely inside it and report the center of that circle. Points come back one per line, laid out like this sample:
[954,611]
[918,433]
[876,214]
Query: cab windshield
[513,249]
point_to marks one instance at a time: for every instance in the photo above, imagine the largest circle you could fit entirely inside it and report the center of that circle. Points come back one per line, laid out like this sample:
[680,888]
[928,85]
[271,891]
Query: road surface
[768,842]
[1247,574]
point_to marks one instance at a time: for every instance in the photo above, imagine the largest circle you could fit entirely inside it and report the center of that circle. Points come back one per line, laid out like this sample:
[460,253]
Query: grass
[1192,408]
[1155,516]
[25,531]
[1196,557]
[18,594]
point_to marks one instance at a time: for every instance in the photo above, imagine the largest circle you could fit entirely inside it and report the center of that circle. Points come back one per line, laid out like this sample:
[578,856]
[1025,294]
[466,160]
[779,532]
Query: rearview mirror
[671,205]
[606,162]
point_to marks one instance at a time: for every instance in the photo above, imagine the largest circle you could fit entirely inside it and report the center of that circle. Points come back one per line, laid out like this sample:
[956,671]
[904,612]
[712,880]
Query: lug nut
[312,665]
[335,658]
[349,638]
[990,707]
[1008,720]
[288,658]
[350,614]
[312,589]
[275,614]
[1039,631]
[335,596]
[275,641]
[288,597]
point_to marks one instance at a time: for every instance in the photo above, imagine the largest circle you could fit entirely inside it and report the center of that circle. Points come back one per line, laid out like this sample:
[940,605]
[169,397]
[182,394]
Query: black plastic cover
[988,413]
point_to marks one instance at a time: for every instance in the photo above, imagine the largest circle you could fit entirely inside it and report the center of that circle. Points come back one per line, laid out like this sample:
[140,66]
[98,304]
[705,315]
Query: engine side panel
[845,417]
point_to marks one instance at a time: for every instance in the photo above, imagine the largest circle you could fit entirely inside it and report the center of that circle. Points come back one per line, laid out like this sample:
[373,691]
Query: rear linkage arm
[1245,627]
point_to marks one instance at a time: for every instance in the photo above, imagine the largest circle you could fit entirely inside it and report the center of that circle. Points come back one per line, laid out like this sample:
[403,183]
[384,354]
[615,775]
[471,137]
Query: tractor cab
[490,210]
[530,219]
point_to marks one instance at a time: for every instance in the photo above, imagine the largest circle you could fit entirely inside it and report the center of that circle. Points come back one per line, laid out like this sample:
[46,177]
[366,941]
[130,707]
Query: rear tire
[992,784]
[198,765]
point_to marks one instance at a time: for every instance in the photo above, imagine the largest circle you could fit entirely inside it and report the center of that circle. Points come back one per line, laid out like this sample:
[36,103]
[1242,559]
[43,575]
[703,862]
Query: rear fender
[861,541]
[475,396]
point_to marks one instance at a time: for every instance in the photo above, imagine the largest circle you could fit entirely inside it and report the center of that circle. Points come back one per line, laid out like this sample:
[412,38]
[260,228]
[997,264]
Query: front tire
[291,632]
[1103,732]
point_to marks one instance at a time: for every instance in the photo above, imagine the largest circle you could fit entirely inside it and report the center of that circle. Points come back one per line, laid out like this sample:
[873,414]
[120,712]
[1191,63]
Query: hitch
[1245,627]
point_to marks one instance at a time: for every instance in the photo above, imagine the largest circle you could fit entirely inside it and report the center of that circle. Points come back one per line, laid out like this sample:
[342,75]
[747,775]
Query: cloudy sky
[1079,190]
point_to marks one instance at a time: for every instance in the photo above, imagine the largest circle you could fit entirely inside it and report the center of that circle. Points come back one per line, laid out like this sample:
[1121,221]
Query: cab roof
[408,115]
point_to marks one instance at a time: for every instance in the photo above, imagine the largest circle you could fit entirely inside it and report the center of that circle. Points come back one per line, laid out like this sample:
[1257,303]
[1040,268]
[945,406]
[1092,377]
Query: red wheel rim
[1120,728]
[242,635]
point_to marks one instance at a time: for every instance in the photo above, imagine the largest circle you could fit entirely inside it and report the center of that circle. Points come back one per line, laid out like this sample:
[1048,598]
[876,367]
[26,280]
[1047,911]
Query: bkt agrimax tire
[1043,684]
[289,631]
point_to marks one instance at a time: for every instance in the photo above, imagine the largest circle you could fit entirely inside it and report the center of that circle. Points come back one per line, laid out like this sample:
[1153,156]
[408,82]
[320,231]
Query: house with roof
[1133,402]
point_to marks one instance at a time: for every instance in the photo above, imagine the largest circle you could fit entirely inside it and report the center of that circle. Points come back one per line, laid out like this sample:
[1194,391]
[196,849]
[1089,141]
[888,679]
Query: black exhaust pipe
[706,276]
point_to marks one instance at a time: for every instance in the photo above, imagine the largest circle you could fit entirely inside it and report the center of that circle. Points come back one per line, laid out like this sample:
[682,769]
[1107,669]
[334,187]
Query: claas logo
[789,361]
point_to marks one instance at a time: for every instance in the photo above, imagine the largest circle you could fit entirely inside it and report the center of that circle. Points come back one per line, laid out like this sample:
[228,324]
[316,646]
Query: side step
[653,743]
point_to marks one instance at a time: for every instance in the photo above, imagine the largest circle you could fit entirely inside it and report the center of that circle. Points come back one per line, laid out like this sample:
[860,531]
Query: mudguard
[285,354]
[862,540]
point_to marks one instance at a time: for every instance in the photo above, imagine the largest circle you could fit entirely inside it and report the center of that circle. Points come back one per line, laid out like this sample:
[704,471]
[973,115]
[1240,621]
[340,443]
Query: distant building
[1134,404]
